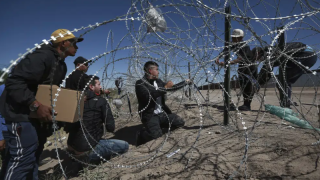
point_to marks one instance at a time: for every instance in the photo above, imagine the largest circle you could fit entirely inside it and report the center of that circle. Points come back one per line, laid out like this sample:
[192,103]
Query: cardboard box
[66,104]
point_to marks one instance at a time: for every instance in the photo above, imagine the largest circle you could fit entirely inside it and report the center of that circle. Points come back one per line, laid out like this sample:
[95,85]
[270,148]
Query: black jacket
[22,85]
[244,52]
[144,87]
[294,48]
[77,80]
[96,111]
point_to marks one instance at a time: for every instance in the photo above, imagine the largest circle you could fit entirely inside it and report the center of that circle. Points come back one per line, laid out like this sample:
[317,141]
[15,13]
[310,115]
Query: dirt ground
[274,148]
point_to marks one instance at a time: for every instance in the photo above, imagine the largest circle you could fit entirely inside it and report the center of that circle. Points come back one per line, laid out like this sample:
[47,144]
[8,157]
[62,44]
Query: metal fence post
[227,66]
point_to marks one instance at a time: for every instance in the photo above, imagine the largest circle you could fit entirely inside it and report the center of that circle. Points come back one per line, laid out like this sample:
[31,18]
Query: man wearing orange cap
[26,136]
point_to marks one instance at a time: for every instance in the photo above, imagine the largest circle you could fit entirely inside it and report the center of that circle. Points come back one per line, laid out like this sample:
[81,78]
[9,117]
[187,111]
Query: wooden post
[227,68]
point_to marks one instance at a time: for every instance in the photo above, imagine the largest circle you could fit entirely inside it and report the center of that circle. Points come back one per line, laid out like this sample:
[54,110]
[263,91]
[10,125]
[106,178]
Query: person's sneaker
[232,107]
[244,108]
[294,103]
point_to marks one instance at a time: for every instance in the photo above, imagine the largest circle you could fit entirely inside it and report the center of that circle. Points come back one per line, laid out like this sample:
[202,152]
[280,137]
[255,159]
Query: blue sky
[26,22]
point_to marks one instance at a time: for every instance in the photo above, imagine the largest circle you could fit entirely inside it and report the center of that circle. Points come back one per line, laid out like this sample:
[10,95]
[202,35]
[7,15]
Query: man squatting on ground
[25,136]
[245,72]
[96,111]
[156,114]
[294,53]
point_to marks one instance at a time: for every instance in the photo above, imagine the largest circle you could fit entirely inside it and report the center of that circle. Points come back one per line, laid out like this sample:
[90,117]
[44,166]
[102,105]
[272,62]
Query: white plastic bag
[117,102]
[155,20]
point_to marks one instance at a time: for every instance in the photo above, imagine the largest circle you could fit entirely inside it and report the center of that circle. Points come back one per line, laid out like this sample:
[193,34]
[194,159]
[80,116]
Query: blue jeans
[107,148]
[24,144]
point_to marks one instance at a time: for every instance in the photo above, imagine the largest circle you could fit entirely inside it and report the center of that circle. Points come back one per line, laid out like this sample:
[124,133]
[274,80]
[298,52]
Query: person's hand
[221,64]
[217,61]
[189,81]
[169,84]
[44,113]
[2,144]
[106,91]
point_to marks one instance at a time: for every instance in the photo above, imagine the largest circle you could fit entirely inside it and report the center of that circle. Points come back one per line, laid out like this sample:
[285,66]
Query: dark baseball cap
[81,60]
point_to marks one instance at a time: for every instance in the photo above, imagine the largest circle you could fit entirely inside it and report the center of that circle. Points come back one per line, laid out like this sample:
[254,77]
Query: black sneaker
[232,107]
[244,108]
[293,103]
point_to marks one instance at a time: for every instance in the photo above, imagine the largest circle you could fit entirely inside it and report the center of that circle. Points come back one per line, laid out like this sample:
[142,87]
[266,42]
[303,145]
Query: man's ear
[63,43]
[90,86]
[62,46]
[149,70]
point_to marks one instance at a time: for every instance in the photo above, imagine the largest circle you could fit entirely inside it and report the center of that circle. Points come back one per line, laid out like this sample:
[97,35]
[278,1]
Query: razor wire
[190,35]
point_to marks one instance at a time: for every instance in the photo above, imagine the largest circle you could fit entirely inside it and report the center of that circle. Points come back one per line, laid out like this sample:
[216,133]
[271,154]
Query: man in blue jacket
[26,137]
